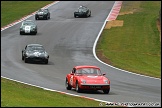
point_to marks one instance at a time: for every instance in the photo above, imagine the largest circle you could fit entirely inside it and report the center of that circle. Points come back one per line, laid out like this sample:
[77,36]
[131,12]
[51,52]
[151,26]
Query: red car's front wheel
[77,88]
[68,87]
[106,91]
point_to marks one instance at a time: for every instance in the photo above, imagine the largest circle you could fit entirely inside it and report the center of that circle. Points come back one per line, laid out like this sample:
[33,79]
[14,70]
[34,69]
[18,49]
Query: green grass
[14,10]
[136,45]
[14,94]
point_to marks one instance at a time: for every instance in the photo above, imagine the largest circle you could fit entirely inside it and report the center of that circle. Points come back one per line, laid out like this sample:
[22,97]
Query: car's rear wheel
[77,88]
[68,87]
[106,91]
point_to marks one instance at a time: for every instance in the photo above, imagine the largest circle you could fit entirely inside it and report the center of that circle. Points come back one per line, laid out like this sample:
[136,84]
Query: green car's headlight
[33,28]
[22,28]
[28,54]
[46,55]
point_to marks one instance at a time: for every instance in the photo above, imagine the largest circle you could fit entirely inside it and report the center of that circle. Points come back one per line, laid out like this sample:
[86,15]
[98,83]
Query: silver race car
[35,52]
[28,27]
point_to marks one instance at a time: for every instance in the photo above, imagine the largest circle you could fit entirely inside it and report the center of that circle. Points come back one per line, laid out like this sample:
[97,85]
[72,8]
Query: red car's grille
[95,86]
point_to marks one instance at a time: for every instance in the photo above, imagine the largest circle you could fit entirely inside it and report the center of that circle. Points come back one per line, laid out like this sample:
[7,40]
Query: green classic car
[35,52]
[42,14]
[82,11]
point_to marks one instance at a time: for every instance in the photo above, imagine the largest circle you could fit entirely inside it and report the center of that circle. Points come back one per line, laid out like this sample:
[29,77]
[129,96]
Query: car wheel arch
[77,87]
[68,86]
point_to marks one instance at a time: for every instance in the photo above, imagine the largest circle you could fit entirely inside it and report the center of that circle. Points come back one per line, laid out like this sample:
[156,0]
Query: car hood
[81,12]
[37,53]
[93,79]
[31,26]
[41,13]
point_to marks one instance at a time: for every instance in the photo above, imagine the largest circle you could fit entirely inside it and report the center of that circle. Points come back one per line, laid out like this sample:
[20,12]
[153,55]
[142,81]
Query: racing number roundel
[71,80]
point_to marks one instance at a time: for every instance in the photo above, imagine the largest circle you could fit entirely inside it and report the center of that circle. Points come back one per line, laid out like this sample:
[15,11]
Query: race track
[69,42]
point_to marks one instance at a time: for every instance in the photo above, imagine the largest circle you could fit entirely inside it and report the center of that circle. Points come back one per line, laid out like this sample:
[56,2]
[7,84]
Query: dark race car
[42,14]
[87,78]
[35,52]
[82,11]
[28,27]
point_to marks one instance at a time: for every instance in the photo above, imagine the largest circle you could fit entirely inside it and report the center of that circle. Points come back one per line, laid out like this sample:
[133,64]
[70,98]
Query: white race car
[28,27]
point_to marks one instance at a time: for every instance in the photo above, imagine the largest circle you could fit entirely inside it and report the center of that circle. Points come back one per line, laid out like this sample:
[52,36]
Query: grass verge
[14,10]
[14,94]
[135,46]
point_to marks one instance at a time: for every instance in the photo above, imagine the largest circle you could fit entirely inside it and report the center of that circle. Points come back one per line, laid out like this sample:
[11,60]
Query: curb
[115,11]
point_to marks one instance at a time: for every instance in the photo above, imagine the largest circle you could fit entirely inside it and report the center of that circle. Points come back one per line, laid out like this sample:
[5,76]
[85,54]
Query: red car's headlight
[106,81]
[83,81]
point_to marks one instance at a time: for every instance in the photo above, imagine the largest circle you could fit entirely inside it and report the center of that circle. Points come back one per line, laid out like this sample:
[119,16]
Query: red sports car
[87,78]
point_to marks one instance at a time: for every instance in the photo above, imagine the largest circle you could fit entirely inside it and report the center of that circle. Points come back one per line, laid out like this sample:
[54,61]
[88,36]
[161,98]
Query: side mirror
[104,74]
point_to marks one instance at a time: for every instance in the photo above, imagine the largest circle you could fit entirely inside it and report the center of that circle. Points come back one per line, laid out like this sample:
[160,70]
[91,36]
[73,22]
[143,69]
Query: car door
[73,78]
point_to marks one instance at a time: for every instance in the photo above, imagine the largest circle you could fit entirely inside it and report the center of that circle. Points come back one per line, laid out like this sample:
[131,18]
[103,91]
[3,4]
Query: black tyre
[20,33]
[46,61]
[86,16]
[34,33]
[77,88]
[25,60]
[106,91]
[22,57]
[36,18]
[68,87]
[90,14]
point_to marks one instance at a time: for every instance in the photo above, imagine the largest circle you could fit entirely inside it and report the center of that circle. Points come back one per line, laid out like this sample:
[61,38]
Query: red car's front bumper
[94,86]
